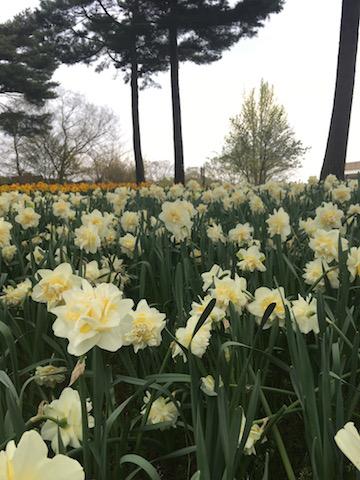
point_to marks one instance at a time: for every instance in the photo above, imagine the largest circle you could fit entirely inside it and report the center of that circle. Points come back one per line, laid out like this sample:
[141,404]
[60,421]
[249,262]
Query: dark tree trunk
[175,94]
[335,155]
[139,163]
[61,171]
[17,157]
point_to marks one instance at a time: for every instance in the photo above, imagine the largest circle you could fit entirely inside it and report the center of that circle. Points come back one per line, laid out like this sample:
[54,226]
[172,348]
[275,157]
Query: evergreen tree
[111,33]
[27,60]
[199,31]
[335,155]
[27,63]
[143,37]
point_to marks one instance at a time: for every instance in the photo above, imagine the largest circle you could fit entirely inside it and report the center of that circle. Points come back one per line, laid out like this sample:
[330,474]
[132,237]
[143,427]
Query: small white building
[352,169]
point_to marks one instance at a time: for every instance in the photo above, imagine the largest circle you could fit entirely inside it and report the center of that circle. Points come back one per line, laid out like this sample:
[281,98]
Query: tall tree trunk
[139,163]
[175,94]
[335,155]
[17,156]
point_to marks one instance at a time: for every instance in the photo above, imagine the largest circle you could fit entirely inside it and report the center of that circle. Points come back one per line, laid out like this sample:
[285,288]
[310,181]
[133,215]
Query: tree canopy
[27,60]
[261,144]
[143,37]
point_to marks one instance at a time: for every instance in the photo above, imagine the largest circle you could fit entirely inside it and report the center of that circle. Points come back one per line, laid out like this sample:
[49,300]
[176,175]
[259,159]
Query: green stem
[277,436]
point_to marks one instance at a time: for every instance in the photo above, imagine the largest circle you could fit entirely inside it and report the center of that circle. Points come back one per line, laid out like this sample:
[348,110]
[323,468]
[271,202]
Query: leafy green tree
[27,60]
[261,144]
[335,155]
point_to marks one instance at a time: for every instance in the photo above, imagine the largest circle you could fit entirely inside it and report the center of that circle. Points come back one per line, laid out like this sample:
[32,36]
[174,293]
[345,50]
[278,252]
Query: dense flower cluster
[157,281]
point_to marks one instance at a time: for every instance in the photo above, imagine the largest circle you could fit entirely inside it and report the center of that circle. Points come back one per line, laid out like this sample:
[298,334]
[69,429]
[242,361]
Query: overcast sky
[296,51]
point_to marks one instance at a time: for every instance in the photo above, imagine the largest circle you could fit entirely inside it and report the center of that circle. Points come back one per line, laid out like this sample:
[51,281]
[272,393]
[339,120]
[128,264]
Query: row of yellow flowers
[66,187]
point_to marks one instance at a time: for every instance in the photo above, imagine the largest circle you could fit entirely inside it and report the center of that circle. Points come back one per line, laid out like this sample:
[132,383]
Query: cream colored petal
[30,452]
[61,468]
[348,440]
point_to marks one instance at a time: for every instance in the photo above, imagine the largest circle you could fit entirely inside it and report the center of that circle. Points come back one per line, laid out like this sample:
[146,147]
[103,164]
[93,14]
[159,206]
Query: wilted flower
[256,432]
[50,376]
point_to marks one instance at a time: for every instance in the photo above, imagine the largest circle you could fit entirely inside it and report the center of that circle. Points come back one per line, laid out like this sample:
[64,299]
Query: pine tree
[143,37]
[27,60]
[199,31]
[112,33]
[27,64]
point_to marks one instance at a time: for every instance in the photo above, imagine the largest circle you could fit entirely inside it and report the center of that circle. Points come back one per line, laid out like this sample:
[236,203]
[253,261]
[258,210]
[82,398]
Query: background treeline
[138,37]
[141,38]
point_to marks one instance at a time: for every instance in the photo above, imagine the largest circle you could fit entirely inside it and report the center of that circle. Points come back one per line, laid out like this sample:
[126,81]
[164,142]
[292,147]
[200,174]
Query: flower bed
[180,332]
